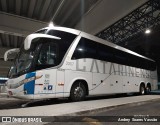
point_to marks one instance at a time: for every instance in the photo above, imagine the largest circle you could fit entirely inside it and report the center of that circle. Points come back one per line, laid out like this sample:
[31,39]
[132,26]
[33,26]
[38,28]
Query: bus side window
[105,53]
[85,49]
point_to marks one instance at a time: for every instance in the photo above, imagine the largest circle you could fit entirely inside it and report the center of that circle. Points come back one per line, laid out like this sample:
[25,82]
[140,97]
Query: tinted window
[90,49]
[85,49]
[105,53]
[140,62]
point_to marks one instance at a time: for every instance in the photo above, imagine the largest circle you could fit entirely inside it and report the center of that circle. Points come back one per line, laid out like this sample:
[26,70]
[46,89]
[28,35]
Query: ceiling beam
[15,41]
[25,25]
[3,39]
[136,22]
[58,9]
[0,41]
[37,9]
[7,40]
[105,13]
[11,6]
[4,5]
[18,6]
[44,9]
[69,11]
[31,8]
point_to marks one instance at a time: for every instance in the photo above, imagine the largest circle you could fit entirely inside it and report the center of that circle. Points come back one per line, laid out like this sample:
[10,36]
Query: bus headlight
[16,85]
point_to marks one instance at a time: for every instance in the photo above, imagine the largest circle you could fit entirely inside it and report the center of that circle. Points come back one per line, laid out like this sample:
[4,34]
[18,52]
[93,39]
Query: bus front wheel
[78,91]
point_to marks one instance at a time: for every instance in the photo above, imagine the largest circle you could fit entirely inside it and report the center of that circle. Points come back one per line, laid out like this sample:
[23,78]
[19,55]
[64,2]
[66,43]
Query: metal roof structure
[145,16]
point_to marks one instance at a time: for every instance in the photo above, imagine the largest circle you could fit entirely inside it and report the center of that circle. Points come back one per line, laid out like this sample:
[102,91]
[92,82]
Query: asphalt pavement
[120,109]
[150,109]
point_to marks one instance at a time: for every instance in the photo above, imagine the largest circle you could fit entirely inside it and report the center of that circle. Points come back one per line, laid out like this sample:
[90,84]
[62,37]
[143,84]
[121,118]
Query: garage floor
[12,107]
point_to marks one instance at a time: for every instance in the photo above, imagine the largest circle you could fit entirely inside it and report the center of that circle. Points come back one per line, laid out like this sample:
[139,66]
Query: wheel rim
[78,92]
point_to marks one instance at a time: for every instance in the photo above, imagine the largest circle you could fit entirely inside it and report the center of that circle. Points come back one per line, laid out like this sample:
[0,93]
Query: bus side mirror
[10,51]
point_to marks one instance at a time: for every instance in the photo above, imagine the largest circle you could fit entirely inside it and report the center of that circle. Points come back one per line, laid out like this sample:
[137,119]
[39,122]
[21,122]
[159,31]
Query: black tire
[142,90]
[78,92]
[148,89]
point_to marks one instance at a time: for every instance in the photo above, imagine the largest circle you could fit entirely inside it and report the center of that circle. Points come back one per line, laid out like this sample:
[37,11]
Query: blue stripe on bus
[29,87]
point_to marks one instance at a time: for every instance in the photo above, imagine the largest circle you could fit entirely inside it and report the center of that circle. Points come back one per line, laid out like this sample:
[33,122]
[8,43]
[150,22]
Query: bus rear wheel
[148,89]
[142,90]
[78,92]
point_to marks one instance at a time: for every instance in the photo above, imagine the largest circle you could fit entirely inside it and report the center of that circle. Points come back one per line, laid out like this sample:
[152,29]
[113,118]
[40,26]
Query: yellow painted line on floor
[91,121]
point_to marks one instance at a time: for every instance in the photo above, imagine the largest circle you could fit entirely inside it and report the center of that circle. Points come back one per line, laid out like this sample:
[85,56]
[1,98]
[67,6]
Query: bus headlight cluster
[16,85]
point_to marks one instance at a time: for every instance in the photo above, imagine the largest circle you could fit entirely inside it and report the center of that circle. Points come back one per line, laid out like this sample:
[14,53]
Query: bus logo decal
[49,87]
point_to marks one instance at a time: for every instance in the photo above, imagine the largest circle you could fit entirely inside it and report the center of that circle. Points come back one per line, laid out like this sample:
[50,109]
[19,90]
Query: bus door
[60,83]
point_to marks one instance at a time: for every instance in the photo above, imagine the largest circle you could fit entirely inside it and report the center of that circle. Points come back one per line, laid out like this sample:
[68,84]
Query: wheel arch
[142,83]
[85,83]
[148,84]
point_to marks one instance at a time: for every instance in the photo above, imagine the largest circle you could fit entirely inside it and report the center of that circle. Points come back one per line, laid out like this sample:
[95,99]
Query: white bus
[62,62]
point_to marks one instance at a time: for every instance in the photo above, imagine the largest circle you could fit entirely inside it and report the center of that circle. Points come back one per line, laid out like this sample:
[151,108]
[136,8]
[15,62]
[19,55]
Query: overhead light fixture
[51,24]
[80,49]
[147,31]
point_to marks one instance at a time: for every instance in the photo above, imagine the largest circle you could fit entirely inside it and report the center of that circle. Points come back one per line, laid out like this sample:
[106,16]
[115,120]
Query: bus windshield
[43,53]
[22,62]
